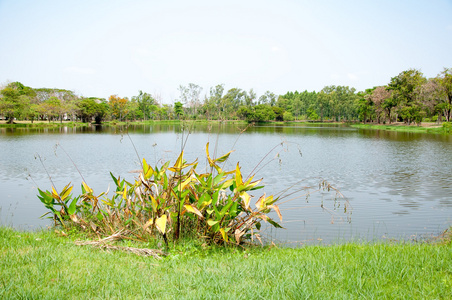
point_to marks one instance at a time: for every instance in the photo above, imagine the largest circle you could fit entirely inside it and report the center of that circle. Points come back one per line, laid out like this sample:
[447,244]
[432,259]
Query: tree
[14,99]
[118,107]
[279,113]
[133,110]
[212,104]
[288,116]
[92,108]
[146,104]
[190,96]
[31,112]
[445,81]
[178,109]
[231,102]
[405,88]
[53,108]
[378,96]
[365,106]
[259,113]
[267,98]
[12,103]
[250,97]
[312,114]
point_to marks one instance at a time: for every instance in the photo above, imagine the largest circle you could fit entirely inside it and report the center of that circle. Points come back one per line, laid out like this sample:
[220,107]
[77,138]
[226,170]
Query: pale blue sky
[100,48]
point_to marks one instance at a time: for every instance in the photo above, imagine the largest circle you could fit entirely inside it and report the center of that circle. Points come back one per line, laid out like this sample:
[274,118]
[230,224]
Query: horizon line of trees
[409,97]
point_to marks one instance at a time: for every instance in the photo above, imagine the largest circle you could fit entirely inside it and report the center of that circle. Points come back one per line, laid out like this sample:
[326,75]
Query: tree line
[409,97]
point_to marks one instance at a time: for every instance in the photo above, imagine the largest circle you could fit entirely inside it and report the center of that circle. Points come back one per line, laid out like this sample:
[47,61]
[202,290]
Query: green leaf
[215,197]
[100,216]
[258,225]
[72,207]
[226,208]
[233,210]
[211,222]
[218,179]
[116,181]
[274,223]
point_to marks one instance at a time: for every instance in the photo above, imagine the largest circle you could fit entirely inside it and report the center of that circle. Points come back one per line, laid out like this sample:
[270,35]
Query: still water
[396,185]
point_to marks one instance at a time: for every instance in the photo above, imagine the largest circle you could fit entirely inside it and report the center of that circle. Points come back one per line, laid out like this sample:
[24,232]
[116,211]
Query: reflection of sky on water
[397,184]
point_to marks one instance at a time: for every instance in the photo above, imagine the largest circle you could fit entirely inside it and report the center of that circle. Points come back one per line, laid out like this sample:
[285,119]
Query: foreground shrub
[171,201]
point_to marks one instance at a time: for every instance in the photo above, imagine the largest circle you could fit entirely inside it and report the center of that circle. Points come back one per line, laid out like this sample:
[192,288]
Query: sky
[99,48]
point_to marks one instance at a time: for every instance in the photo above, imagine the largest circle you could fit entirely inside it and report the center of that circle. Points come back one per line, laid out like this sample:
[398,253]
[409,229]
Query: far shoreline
[424,127]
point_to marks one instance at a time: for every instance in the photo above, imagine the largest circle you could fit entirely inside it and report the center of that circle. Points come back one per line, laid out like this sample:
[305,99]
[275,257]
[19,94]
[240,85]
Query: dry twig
[103,244]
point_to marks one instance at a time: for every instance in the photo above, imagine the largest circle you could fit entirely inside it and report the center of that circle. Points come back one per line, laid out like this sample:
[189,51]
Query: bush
[287,116]
[171,202]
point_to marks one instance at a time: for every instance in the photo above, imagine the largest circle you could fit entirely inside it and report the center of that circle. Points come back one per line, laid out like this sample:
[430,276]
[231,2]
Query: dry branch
[103,244]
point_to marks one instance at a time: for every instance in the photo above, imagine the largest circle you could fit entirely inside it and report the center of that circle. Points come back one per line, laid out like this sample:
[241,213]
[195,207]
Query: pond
[395,185]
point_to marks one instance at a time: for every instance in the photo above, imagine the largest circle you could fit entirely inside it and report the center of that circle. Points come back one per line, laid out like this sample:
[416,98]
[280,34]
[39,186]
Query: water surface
[397,185]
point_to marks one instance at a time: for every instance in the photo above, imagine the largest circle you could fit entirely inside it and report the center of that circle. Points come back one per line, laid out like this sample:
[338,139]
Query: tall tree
[118,107]
[92,108]
[445,81]
[213,102]
[13,101]
[146,104]
[54,108]
[378,96]
[267,98]
[178,109]
[190,96]
[231,102]
[405,88]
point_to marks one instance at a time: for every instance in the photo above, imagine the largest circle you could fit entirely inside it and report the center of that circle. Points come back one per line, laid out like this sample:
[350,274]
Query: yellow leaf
[124,194]
[147,170]
[227,183]
[193,209]
[184,184]
[66,191]
[269,200]
[87,188]
[223,233]
[260,205]
[238,176]
[160,223]
[211,222]
[246,199]
[178,165]
[154,204]
[250,184]
[224,157]
[211,162]
[55,193]
[204,204]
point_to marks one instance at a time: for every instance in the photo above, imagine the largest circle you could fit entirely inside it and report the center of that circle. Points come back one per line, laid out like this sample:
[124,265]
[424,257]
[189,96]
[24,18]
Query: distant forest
[409,97]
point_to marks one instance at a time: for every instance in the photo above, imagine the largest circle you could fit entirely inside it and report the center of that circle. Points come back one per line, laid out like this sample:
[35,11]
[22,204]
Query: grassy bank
[45,265]
[28,124]
[424,128]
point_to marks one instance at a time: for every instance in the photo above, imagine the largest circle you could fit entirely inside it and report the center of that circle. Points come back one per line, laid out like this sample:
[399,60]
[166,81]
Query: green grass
[44,265]
[404,128]
[39,124]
